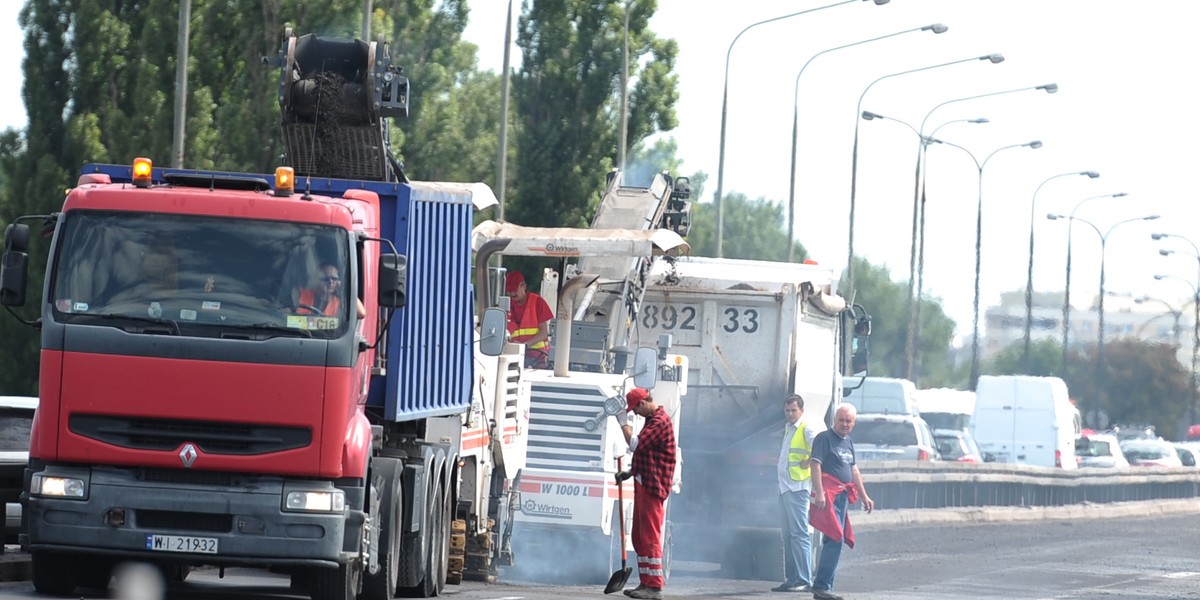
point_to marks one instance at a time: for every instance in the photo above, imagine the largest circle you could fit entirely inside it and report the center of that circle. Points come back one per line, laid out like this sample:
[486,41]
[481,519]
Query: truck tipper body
[204,402]
[753,332]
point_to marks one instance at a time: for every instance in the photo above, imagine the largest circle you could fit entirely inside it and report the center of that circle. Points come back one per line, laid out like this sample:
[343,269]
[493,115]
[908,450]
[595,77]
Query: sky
[1126,86]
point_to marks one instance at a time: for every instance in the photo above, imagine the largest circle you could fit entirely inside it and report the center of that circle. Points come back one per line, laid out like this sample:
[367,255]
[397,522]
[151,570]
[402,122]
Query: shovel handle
[621,511]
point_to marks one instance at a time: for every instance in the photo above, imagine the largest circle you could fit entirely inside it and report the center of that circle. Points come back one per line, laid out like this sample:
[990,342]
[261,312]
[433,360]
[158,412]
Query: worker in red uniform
[653,472]
[528,320]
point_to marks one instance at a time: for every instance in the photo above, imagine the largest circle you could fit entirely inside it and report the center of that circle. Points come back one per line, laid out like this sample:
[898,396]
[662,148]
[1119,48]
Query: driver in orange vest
[528,320]
[326,296]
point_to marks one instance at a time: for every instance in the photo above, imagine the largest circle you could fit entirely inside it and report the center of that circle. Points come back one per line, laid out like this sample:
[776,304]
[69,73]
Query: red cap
[512,280]
[635,397]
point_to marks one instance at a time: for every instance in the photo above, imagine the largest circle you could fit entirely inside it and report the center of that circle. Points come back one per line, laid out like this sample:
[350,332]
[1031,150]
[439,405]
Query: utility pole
[502,159]
[366,22]
[624,140]
[181,62]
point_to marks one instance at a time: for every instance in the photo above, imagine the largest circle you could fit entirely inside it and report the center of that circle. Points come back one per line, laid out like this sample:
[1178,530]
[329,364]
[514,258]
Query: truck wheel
[341,583]
[54,574]
[426,578]
[382,585]
[444,530]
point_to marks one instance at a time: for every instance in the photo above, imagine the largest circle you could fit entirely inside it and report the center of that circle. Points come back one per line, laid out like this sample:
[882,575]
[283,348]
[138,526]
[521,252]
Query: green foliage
[887,303]
[567,98]
[754,229]
[1140,383]
[1045,359]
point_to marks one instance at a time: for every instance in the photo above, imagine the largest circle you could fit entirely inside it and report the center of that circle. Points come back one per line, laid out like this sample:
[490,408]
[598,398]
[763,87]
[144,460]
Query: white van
[1026,420]
[946,408]
[880,395]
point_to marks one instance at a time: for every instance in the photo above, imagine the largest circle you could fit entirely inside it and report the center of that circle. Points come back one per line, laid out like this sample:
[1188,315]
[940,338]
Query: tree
[567,98]
[753,230]
[1045,359]
[887,303]
[1143,383]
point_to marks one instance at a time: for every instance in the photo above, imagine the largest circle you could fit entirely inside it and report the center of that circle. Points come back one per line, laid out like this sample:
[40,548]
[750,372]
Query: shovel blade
[618,580]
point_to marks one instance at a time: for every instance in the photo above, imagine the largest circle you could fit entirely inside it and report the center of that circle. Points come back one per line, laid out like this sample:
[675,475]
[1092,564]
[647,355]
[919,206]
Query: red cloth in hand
[825,520]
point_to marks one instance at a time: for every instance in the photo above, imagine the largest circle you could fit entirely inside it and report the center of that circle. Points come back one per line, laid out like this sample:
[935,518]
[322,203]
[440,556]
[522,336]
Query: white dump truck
[753,332]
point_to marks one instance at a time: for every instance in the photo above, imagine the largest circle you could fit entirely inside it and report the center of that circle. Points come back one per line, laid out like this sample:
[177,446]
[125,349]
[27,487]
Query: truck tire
[382,585]
[341,583]
[54,574]
[444,529]
[427,548]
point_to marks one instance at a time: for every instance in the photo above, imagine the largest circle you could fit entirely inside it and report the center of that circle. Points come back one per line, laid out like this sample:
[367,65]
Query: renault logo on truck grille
[188,456]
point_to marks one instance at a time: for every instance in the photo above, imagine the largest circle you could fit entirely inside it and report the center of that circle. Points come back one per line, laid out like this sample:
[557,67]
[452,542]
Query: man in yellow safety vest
[795,485]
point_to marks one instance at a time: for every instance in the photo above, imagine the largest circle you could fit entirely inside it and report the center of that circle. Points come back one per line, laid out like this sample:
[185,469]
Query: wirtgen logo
[534,508]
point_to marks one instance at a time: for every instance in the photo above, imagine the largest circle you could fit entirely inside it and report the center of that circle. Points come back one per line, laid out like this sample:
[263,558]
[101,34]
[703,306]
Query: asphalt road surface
[1125,557]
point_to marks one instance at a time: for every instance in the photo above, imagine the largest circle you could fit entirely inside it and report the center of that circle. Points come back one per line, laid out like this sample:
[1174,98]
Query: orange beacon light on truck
[285,181]
[142,168]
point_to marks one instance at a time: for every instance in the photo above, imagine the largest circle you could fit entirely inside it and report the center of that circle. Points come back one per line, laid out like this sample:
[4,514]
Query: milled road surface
[1009,554]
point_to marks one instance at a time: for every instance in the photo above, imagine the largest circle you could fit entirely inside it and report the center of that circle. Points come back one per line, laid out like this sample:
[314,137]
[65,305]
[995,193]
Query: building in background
[1125,316]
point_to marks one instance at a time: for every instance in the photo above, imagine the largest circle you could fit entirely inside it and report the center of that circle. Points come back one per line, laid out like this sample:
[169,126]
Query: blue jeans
[797,541]
[831,551]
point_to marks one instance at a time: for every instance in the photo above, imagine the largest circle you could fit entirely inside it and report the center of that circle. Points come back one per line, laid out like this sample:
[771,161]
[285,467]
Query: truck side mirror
[645,367]
[16,237]
[14,271]
[393,279]
[492,330]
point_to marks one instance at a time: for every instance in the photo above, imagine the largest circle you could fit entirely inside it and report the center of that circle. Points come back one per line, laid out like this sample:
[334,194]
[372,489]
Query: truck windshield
[201,276]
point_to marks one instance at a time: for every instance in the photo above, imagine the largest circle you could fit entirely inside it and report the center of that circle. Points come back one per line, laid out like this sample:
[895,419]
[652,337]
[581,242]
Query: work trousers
[797,539]
[831,551]
[648,517]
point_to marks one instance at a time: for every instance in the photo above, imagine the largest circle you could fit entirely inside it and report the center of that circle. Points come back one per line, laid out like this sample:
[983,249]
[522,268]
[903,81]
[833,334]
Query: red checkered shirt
[654,458]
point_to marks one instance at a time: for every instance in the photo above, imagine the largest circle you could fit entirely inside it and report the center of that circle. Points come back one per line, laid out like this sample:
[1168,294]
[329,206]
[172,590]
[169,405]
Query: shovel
[620,577]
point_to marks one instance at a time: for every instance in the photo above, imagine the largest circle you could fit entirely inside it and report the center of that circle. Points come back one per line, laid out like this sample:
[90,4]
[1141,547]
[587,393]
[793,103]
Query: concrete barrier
[926,485]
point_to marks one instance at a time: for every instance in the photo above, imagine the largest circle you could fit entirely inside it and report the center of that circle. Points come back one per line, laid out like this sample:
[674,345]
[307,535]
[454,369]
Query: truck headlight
[314,501]
[58,487]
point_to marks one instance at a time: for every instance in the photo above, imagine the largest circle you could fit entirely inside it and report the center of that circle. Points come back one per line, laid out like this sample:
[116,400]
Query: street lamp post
[1195,316]
[913,333]
[979,166]
[1029,275]
[910,341]
[991,58]
[1176,315]
[1066,328]
[725,110]
[1100,319]
[935,28]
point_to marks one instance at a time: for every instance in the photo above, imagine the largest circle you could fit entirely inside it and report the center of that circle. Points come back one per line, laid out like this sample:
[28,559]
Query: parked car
[16,419]
[1150,453]
[892,437]
[1100,450]
[957,445]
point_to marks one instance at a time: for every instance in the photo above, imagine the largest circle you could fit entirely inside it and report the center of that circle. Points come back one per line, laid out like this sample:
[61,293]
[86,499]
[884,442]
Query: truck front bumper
[241,516]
